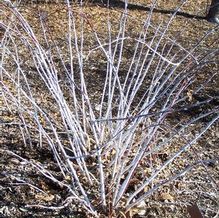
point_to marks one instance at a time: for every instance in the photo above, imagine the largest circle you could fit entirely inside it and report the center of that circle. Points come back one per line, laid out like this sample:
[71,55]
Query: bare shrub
[104,106]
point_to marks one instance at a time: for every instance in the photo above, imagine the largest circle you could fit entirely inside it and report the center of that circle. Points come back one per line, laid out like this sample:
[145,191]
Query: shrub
[104,112]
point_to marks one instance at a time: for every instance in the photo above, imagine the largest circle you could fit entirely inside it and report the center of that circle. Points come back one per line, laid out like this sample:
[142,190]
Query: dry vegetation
[36,176]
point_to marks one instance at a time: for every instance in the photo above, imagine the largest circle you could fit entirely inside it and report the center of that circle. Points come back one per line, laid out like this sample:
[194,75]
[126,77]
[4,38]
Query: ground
[199,186]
